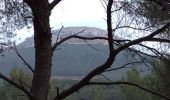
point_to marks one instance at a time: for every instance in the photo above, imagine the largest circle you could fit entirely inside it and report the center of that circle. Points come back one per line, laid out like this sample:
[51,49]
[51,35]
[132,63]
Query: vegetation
[157,80]
[9,92]
[152,12]
[16,13]
[87,60]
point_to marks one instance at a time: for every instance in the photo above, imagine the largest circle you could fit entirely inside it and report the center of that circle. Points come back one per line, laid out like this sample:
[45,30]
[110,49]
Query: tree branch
[124,66]
[143,60]
[91,46]
[54,3]
[100,38]
[85,38]
[59,33]
[119,8]
[109,26]
[160,40]
[100,68]
[16,85]
[24,61]
[131,27]
[153,50]
[146,38]
[131,84]
[65,39]
[106,77]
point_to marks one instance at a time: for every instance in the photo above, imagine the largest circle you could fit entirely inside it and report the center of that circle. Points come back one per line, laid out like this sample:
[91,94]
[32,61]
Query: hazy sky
[74,13]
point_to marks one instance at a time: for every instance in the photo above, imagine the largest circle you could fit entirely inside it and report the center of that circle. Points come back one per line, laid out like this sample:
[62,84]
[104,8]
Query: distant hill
[74,58]
[88,32]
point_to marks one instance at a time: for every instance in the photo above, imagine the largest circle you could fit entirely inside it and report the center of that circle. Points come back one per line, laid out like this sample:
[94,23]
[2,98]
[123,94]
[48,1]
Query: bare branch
[24,61]
[131,84]
[103,4]
[140,52]
[86,38]
[155,51]
[65,39]
[59,33]
[118,23]
[137,51]
[16,85]
[143,60]
[106,77]
[100,68]
[160,40]
[124,66]
[23,84]
[139,40]
[119,7]
[91,46]
[109,26]
[54,3]
[130,27]
[93,38]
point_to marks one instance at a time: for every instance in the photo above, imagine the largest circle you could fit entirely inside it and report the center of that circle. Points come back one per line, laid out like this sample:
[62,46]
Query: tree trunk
[43,50]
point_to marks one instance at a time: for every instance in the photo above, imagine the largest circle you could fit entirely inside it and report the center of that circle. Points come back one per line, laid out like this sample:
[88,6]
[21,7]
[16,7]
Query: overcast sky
[74,13]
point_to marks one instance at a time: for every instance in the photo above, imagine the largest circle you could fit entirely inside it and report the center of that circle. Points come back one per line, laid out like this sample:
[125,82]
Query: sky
[69,13]
[72,13]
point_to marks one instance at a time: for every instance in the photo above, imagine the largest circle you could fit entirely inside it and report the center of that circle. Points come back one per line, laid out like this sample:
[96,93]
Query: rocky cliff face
[75,57]
[88,32]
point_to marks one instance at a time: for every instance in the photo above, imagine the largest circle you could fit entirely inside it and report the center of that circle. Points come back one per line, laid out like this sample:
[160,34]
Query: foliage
[149,13]
[14,14]
[132,93]
[44,50]
[9,92]
[161,74]
[158,80]
[86,93]
[153,14]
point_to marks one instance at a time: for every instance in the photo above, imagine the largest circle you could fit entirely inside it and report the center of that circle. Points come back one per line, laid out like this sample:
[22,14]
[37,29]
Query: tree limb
[131,84]
[65,39]
[100,68]
[124,66]
[16,85]
[24,61]
[105,77]
[54,3]
[109,26]
[146,38]
[91,46]
[160,40]
[59,33]
[119,8]
[85,38]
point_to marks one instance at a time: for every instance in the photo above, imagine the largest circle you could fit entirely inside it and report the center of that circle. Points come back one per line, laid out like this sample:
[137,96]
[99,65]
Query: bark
[43,50]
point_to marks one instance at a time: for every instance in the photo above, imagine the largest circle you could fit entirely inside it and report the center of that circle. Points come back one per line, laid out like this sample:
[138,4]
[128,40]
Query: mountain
[88,32]
[74,58]
[65,32]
